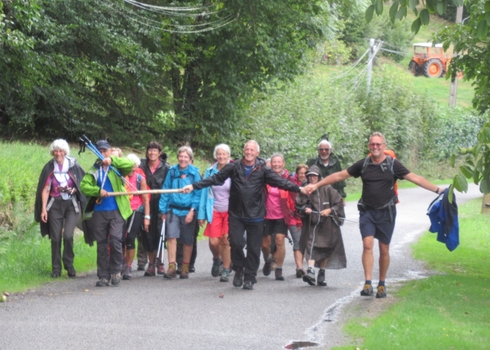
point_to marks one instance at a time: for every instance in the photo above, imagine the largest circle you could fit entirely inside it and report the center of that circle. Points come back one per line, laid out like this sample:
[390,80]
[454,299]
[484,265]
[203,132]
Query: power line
[175,27]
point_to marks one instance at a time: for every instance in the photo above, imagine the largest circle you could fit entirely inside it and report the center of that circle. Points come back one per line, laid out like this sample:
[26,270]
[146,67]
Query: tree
[215,73]
[471,40]
[108,68]
[85,67]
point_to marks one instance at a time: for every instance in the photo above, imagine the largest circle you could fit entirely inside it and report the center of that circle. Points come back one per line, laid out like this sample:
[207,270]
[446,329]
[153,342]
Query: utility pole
[370,65]
[453,89]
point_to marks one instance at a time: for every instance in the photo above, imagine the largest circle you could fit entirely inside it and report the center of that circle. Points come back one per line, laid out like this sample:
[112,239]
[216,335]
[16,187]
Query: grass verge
[446,311]
[26,262]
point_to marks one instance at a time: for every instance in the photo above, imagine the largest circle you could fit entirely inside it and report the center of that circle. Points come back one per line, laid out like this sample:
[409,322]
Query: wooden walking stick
[137,193]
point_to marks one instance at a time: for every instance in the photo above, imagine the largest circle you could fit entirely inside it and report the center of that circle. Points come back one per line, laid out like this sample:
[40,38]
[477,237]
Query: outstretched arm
[422,182]
[333,178]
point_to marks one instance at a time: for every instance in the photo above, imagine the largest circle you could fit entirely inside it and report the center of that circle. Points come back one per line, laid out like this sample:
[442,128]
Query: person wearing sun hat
[321,239]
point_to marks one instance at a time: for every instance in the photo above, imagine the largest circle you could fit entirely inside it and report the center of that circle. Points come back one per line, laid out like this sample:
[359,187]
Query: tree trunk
[485,205]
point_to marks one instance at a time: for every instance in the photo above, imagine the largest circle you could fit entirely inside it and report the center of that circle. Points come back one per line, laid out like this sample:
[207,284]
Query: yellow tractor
[429,60]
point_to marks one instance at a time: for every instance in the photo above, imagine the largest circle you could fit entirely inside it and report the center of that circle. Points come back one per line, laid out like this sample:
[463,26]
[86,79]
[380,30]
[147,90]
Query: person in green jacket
[108,212]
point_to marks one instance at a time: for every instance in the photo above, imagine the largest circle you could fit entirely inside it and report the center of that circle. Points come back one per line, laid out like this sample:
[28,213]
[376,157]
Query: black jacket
[247,195]
[155,182]
[75,172]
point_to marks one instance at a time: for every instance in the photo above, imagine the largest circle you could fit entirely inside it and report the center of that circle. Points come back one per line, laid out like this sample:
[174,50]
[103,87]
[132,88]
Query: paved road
[153,313]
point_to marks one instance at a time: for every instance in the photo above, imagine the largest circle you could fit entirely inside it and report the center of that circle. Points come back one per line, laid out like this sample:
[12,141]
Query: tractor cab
[429,60]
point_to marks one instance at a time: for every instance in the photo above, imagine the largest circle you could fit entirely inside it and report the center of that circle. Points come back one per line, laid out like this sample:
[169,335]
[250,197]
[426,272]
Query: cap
[310,172]
[313,170]
[102,144]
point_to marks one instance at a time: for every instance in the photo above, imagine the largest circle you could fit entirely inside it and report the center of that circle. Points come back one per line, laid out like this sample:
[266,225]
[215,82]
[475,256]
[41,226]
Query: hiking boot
[278,273]
[127,273]
[184,274]
[115,279]
[299,273]
[215,268]
[141,267]
[309,277]
[160,269]
[150,272]
[102,283]
[171,272]
[321,278]
[192,269]
[266,270]
[71,272]
[381,293]
[55,274]
[248,285]
[225,275]
[238,279]
[367,290]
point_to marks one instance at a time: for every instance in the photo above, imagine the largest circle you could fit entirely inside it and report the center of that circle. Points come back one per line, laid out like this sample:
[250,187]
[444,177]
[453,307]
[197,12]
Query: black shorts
[275,226]
[378,223]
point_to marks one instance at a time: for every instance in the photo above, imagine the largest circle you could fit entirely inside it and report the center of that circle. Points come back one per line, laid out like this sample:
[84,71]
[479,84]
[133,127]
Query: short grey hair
[275,155]
[254,142]
[222,146]
[133,157]
[324,142]
[378,134]
[59,145]
[187,150]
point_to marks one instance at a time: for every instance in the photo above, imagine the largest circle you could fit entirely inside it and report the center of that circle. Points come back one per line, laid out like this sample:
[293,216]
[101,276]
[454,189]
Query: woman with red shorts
[213,208]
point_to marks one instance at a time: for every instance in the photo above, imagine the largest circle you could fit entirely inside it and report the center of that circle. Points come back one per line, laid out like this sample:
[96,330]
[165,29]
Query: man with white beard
[328,163]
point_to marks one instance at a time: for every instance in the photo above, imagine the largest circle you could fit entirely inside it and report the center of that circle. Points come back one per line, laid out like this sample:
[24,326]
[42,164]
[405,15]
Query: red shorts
[219,226]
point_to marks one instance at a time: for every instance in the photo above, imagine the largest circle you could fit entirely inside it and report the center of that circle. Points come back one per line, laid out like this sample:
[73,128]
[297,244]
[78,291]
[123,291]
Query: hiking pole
[86,141]
[136,193]
[161,248]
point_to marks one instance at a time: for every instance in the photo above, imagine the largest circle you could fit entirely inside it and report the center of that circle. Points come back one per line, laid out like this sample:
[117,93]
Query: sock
[367,282]
[381,283]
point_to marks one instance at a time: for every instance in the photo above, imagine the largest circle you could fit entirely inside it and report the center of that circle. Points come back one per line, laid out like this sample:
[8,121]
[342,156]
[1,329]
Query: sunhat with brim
[313,170]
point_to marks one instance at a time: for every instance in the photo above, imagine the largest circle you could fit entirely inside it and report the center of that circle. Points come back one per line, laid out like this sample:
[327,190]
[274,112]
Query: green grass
[446,311]
[26,263]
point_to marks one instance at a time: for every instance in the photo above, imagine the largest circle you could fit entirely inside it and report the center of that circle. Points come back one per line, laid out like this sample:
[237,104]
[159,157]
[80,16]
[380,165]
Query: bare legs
[368,258]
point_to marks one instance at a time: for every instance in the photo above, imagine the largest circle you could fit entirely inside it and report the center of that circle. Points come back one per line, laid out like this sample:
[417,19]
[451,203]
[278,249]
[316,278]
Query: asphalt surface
[153,313]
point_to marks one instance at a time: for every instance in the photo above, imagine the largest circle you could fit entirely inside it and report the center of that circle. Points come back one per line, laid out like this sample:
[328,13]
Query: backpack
[390,157]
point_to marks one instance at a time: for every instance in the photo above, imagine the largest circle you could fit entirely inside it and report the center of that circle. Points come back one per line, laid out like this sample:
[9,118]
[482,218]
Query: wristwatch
[147,217]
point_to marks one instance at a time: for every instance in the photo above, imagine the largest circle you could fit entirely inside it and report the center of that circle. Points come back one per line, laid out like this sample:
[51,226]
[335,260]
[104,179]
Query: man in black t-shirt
[377,211]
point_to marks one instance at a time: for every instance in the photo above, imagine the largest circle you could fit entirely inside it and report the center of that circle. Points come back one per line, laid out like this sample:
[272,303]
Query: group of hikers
[248,203]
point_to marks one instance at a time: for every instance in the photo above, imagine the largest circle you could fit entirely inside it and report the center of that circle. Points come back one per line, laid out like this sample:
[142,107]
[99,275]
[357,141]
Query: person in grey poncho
[321,239]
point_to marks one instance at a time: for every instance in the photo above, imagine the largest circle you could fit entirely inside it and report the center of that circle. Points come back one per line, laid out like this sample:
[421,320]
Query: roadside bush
[449,129]
[292,120]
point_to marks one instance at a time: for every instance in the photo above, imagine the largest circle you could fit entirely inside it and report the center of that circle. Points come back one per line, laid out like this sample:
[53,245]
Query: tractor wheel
[433,68]
[413,67]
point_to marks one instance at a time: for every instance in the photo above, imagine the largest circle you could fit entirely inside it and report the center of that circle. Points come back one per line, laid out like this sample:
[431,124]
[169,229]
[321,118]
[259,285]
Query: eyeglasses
[324,149]
[376,144]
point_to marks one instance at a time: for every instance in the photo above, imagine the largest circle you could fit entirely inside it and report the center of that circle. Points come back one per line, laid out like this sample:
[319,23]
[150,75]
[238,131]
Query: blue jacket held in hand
[444,220]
